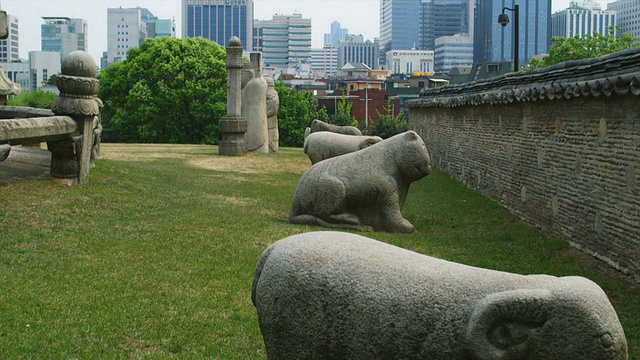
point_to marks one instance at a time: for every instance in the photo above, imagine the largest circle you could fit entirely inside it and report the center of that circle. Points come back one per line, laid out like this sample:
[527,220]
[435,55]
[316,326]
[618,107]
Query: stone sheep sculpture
[324,144]
[362,190]
[319,125]
[332,295]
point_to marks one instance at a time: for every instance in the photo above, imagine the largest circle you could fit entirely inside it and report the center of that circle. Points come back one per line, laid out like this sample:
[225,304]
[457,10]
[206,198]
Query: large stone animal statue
[332,296]
[324,144]
[362,190]
[319,125]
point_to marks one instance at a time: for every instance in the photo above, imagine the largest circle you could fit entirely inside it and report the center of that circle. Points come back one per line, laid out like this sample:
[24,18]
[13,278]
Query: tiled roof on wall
[613,74]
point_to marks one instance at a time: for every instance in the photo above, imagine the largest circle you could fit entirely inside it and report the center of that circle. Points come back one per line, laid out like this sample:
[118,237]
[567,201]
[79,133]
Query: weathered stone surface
[325,144]
[254,110]
[332,295]
[363,190]
[5,149]
[39,129]
[273,105]
[319,125]
[233,126]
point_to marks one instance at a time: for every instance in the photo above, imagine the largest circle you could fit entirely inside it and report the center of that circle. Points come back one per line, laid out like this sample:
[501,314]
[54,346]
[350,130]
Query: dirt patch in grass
[206,157]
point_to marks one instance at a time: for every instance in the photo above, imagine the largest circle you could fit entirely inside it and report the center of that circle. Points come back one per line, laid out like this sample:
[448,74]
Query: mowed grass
[154,258]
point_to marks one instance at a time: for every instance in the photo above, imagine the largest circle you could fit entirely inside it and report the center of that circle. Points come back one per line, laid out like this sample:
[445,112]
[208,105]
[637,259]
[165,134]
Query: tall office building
[286,41]
[493,42]
[399,25]
[63,35]
[125,29]
[9,50]
[336,35]
[325,60]
[627,15]
[219,20]
[452,51]
[356,50]
[582,19]
[444,18]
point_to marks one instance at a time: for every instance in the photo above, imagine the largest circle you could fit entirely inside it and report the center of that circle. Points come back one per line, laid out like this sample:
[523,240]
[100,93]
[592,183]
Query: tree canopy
[389,125]
[167,91]
[297,111]
[590,46]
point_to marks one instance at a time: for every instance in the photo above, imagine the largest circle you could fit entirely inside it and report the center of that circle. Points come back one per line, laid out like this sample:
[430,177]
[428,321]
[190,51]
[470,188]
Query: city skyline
[359,16]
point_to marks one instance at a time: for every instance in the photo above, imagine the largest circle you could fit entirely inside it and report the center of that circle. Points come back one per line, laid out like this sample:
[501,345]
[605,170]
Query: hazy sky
[359,16]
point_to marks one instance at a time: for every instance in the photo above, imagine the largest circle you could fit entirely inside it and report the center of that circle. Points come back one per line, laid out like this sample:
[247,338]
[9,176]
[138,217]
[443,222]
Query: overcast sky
[359,16]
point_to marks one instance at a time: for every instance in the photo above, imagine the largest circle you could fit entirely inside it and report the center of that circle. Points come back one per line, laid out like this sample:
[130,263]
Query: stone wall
[559,147]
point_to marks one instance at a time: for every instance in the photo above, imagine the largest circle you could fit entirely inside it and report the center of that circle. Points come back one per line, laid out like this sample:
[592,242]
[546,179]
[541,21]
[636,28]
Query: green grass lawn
[153,259]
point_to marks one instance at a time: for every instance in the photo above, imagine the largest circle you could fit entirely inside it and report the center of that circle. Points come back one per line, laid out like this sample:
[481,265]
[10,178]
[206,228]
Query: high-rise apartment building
[356,50]
[286,41]
[627,16]
[399,25]
[63,35]
[493,42]
[444,18]
[219,20]
[582,19]
[336,35]
[325,60]
[125,29]
[9,49]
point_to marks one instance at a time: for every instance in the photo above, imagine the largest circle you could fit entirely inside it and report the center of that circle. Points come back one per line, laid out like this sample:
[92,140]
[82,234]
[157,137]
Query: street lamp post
[503,20]
[366,106]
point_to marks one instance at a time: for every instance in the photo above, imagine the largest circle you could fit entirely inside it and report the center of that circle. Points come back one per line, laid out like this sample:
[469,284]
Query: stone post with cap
[233,126]
[71,158]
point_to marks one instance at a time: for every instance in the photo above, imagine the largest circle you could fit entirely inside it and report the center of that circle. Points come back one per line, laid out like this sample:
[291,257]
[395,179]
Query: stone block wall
[561,152]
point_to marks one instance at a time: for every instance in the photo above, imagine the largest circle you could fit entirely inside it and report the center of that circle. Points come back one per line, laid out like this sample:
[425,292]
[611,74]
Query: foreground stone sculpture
[273,105]
[363,190]
[71,158]
[254,105]
[233,126]
[319,125]
[324,144]
[332,295]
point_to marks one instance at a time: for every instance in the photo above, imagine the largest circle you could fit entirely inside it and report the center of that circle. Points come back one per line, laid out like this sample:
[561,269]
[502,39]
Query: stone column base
[232,129]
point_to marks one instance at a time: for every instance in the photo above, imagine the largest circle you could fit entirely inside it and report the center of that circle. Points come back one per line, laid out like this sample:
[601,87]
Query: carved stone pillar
[71,158]
[233,126]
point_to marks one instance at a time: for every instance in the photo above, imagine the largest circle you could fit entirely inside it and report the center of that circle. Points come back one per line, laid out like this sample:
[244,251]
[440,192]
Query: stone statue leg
[392,217]
[325,205]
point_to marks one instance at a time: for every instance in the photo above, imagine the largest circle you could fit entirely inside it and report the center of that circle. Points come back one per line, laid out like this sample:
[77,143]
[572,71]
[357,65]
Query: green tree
[590,46]
[297,111]
[389,125]
[167,91]
[343,115]
[37,99]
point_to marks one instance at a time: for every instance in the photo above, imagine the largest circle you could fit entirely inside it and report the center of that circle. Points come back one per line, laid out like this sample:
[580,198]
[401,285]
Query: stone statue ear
[502,324]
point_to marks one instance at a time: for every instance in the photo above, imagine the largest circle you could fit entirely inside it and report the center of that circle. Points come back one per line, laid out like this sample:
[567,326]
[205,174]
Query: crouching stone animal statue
[332,295]
[362,190]
[319,125]
[324,145]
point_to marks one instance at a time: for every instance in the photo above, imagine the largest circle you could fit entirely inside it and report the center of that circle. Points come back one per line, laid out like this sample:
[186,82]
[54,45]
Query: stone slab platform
[25,163]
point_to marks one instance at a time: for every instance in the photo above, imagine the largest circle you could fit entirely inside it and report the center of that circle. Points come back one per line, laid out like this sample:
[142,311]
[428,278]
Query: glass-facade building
[444,18]
[399,26]
[9,47]
[219,20]
[494,43]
